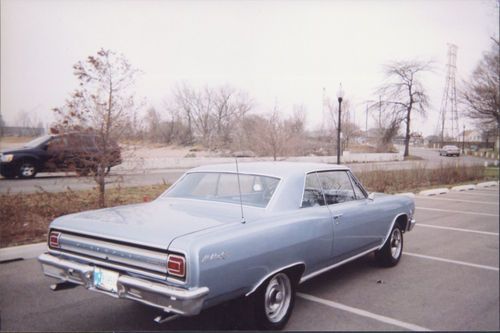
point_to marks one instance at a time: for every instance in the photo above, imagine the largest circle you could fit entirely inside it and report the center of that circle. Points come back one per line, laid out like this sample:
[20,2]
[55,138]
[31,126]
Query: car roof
[273,169]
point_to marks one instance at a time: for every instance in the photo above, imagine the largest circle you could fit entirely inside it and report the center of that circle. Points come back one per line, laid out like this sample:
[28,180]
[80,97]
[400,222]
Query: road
[447,279]
[61,181]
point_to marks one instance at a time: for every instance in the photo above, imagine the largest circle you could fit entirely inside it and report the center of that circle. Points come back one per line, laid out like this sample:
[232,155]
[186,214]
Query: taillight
[54,239]
[176,265]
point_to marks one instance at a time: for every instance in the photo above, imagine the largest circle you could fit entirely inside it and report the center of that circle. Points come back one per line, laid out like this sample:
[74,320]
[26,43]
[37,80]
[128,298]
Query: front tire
[390,254]
[274,301]
[27,169]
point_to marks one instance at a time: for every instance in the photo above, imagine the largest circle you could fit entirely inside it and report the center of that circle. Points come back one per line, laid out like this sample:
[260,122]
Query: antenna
[239,190]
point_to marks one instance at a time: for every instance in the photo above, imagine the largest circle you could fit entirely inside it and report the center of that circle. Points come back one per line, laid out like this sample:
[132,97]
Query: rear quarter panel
[231,260]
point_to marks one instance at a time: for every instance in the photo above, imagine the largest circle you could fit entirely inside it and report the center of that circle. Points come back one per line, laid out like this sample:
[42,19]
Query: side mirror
[371,196]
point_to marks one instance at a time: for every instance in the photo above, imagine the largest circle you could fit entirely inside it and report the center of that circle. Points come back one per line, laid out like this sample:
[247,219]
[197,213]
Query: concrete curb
[435,191]
[407,194]
[464,187]
[22,252]
[487,184]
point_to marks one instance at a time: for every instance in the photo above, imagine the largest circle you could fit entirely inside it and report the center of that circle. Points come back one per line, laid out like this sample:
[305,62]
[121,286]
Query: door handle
[336,218]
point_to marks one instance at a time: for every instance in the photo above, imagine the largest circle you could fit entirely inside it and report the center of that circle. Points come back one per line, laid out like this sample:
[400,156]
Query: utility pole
[366,118]
[380,111]
[463,141]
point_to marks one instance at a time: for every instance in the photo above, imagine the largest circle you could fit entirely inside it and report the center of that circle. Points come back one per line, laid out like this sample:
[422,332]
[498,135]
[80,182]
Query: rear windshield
[256,190]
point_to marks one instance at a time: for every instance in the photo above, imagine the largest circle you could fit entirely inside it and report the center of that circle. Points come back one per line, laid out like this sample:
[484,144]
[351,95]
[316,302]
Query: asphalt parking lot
[448,279]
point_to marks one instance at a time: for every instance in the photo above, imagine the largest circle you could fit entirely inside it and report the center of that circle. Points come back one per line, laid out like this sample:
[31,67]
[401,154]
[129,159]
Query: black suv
[62,152]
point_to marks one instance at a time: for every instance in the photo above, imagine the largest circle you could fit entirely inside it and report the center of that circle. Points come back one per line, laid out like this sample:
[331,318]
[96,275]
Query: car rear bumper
[186,302]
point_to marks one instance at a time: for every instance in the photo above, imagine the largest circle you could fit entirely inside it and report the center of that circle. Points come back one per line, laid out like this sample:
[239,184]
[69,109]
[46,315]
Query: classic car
[449,150]
[222,232]
[73,151]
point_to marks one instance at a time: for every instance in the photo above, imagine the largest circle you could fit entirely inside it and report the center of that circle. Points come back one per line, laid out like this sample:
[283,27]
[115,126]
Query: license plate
[105,280]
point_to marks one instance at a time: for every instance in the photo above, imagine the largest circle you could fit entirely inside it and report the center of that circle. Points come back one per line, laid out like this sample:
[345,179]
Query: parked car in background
[218,234]
[449,150]
[62,152]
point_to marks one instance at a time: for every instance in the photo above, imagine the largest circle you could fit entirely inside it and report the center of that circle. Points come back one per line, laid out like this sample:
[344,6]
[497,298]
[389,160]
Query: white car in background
[449,150]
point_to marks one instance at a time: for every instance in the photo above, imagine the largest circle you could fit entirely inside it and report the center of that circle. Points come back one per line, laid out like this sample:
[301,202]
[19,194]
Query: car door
[354,217]
[319,224]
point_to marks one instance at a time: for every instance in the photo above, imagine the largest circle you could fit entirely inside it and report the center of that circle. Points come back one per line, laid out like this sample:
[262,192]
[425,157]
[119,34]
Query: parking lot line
[455,211]
[458,229]
[463,263]
[363,313]
[460,200]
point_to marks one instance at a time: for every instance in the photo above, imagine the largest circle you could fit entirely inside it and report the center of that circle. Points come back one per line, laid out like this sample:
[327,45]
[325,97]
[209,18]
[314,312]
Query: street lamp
[340,96]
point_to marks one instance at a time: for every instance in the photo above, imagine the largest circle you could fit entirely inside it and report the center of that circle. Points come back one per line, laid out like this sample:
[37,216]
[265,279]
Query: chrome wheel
[396,244]
[27,170]
[277,297]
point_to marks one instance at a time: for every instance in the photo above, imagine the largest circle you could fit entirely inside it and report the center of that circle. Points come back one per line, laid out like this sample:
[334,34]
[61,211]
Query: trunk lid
[154,224]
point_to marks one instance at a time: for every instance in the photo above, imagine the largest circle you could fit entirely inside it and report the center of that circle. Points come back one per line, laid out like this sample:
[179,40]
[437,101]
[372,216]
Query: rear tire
[274,301]
[390,254]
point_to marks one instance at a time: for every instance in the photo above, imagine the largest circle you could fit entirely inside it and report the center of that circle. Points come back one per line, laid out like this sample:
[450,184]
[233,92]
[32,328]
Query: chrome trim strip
[107,264]
[110,238]
[390,229]
[123,254]
[323,270]
[271,274]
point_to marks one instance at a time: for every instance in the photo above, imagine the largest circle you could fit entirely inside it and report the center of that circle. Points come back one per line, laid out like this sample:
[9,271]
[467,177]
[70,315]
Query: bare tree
[403,93]
[210,113]
[275,133]
[103,103]
[481,95]
[183,97]
[230,106]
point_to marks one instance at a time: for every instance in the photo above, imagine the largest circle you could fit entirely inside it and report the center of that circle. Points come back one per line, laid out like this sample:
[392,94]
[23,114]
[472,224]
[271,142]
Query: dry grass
[392,181]
[25,217]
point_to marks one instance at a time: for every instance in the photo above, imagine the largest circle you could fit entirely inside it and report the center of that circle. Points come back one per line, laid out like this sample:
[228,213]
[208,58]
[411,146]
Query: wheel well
[295,272]
[28,159]
[402,221]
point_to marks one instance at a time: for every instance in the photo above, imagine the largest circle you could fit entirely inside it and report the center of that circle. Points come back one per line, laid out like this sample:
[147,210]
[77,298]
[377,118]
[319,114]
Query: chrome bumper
[411,224]
[169,299]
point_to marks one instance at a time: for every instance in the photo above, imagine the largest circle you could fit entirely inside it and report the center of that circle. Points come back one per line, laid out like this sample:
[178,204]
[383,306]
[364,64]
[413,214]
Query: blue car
[222,232]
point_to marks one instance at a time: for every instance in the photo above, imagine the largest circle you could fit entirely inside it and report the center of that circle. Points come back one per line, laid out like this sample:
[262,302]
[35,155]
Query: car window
[313,194]
[336,186]
[256,190]
[57,143]
[357,189]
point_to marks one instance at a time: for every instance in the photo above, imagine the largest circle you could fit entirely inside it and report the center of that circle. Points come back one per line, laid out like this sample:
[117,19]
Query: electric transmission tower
[448,117]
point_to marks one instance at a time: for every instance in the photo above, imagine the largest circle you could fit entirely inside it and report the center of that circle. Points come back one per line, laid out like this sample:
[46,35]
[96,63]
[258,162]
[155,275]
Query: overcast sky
[277,51]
